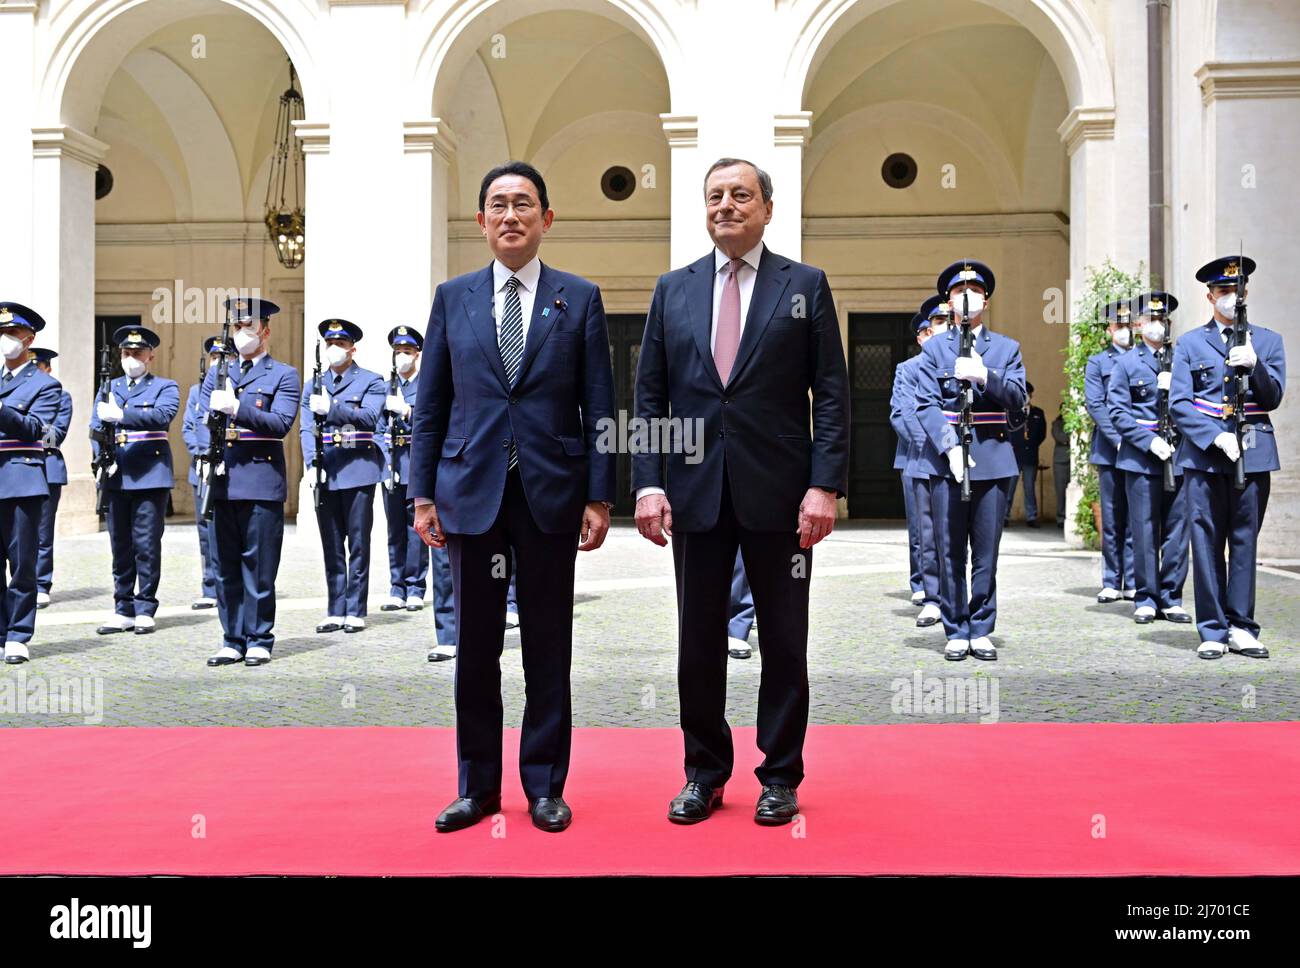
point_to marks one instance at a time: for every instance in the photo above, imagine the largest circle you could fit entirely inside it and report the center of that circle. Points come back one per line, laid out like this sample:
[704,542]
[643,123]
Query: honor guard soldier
[261,399]
[930,320]
[29,402]
[1138,400]
[408,555]
[347,407]
[194,428]
[56,475]
[1116,542]
[1223,391]
[139,408]
[995,375]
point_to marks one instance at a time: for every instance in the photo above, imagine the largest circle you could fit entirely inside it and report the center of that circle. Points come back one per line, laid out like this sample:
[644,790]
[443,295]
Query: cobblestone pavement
[1063,657]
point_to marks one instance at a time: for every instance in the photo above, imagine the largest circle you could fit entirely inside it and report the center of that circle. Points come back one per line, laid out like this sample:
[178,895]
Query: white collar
[750,258]
[527,275]
[20,369]
[256,359]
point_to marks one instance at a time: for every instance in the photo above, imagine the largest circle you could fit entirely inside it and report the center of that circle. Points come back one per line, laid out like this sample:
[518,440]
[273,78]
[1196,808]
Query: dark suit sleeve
[651,388]
[1006,387]
[31,425]
[432,404]
[1119,407]
[1094,398]
[276,420]
[900,401]
[929,402]
[1268,378]
[598,401]
[1038,425]
[830,395]
[190,422]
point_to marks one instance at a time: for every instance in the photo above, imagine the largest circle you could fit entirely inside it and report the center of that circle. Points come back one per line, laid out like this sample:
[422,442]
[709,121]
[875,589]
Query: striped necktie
[511,341]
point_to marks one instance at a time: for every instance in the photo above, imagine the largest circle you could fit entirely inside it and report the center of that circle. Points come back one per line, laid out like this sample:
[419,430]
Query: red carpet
[1021,799]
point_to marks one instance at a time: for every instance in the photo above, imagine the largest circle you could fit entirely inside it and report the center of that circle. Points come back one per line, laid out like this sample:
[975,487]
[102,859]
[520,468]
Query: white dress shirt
[528,275]
[745,277]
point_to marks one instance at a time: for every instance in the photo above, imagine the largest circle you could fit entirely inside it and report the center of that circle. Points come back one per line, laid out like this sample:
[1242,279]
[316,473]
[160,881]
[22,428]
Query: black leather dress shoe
[1178,618]
[1144,619]
[551,814]
[985,655]
[925,623]
[328,627]
[776,805]
[255,660]
[224,660]
[695,803]
[389,607]
[144,629]
[465,812]
[1249,651]
[350,629]
[113,629]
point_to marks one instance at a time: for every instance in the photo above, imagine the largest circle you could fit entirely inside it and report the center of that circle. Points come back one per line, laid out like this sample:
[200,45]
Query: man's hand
[816,516]
[320,402]
[224,401]
[108,411]
[954,463]
[595,525]
[1164,379]
[1228,444]
[395,403]
[971,368]
[1161,448]
[654,518]
[1243,356]
[428,527]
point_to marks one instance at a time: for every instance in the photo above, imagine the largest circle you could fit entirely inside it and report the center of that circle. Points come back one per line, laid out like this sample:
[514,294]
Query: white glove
[1228,444]
[1163,379]
[224,401]
[320,402]
[396,403]
[971,368]
[954,463]
[1243,356]
[108,411]
[1160,447]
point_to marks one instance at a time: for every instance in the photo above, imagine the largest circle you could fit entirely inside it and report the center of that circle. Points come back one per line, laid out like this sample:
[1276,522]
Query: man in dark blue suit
[56,475]
[1206,365]
[194,431]
[996,374]
[1116,542]
[735,342]
[347,408]
[29,402]
[515,389]
[139,409]
[261,399]
[1026,439]
[1157,518]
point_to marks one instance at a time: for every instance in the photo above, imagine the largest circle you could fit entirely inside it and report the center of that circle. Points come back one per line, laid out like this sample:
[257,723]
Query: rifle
[396,425]
[1165,421]
[1241,381]
[104,464]
[967,398]
[318,434]
[213,463]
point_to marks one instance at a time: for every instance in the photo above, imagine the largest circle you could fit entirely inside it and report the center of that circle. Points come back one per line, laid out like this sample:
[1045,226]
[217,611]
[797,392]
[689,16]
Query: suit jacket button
[513,401]
[506,442]
[722,433]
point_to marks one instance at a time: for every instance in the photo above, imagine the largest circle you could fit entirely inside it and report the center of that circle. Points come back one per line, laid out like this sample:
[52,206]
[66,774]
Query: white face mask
[246,340]
[938,328]
[1123,337]
[336,355]
[133,368]
[11,347]
[970,301]
[1227,304]
[405,363]
[1153,330]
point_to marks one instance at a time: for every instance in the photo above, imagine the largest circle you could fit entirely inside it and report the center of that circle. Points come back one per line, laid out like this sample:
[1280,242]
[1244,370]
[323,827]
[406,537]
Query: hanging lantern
[286,221]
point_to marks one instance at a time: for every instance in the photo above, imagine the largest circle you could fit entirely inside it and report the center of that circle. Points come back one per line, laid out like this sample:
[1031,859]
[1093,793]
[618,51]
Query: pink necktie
[727,341]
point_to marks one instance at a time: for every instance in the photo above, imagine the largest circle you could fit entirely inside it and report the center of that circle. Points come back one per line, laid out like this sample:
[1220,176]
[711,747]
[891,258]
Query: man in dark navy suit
[996,374]
[56,475]
[29,401]
[1207,362]
[515,389]
[736,342]
[139,409]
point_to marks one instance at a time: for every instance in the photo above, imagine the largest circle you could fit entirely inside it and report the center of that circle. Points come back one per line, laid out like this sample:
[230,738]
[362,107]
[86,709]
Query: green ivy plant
[1103,284]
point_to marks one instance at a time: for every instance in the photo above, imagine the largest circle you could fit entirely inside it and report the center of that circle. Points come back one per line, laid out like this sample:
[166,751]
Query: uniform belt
[336,438]
[401,440]
[10,445]
[986,417]
[1224,410]
[238,434]
[136,436]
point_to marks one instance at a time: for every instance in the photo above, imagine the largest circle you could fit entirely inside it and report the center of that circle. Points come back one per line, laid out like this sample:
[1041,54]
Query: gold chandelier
[286,189]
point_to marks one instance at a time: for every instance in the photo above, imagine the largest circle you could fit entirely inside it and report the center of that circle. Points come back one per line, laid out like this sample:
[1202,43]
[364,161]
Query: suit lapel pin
[546,311]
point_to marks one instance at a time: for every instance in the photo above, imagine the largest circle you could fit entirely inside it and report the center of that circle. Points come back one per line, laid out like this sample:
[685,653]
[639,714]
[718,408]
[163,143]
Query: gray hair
[764,179]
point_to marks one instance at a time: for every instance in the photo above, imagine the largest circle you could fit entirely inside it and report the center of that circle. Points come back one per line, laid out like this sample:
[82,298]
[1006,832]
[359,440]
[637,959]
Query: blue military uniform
[741,622]
[354,464]
[248,496]
[1202,399]
[1157,518]
[1026,438]
[29,401]
[408,556]
[979,522]
[1116,542]
[194,429]
[56,476]
[137,492]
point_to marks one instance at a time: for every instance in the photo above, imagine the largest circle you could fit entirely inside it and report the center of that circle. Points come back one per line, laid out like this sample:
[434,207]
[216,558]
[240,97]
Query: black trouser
[135,529]
[480,570]
[779,574]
